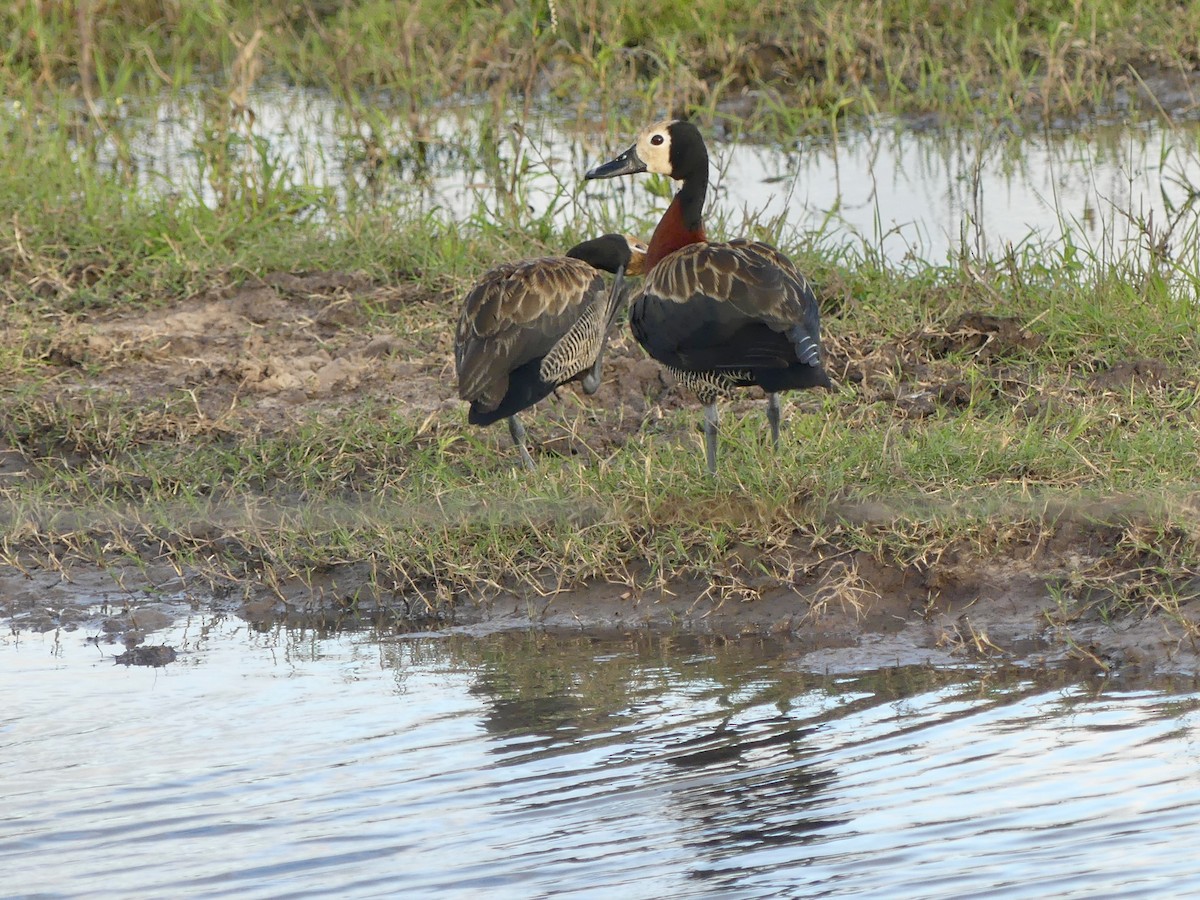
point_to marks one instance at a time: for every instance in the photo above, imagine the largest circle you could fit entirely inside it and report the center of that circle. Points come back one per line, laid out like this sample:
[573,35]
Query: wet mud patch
[842,611]
[856,613]
[117,609]
[1133,373]
[982,334]
[925,373]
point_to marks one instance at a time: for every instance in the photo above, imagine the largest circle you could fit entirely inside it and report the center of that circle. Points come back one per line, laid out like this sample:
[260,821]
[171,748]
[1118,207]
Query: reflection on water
[905,194]
[283,764]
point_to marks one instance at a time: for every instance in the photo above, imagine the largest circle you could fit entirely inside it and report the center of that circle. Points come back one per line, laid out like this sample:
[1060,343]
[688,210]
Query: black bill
[628,163]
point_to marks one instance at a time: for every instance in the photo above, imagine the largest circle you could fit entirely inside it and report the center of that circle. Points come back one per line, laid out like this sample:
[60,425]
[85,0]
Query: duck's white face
[654,148]
[651,152]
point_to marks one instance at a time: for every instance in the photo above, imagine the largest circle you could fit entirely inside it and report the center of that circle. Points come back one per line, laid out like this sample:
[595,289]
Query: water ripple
[258,769]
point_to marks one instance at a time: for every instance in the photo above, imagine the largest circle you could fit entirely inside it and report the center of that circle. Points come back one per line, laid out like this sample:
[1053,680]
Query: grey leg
[517,430]
[710,436]
[773,417]
[591,381]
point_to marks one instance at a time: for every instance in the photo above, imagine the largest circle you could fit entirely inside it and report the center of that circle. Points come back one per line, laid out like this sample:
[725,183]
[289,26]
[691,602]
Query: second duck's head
[612,253]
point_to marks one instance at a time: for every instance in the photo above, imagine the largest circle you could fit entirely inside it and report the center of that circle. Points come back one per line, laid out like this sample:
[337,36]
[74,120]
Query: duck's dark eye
[656,140]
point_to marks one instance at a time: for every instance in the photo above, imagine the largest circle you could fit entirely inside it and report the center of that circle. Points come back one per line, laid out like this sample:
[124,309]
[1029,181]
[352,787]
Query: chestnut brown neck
[681,224]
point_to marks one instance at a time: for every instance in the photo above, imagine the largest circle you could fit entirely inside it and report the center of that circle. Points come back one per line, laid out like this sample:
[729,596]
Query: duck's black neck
[691,201]
[689,163]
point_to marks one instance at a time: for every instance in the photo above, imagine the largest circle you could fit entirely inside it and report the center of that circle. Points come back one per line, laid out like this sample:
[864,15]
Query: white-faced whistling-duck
[528,327]
[718,315]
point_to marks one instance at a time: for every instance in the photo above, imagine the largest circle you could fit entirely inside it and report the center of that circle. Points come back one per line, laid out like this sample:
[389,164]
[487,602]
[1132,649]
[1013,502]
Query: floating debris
[159,655]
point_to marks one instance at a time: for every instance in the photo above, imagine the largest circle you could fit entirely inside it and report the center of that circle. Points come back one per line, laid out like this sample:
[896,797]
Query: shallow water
[285,763]
[904,194]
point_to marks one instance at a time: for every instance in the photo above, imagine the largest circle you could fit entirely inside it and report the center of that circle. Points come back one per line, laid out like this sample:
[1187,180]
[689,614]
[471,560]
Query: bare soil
[268,354]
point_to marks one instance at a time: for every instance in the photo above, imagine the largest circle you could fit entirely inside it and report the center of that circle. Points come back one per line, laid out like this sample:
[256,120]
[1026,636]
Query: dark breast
[739,307]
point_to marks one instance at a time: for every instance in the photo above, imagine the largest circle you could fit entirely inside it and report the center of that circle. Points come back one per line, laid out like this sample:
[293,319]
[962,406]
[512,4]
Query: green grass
[437,508]
[808,61]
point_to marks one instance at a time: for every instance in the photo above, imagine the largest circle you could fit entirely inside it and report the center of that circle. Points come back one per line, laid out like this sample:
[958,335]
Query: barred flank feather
[710,386]
[577,349]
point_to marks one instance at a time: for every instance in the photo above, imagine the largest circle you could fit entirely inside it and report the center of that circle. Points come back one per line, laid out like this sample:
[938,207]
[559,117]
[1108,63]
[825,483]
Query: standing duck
[528,327]
[717,315]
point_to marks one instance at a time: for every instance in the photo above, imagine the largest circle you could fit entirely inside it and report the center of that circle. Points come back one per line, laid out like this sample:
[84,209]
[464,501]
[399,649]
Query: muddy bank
[850,614]
[265,355]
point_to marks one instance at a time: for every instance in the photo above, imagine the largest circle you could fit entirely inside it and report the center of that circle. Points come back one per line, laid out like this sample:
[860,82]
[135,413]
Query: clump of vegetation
[815,60]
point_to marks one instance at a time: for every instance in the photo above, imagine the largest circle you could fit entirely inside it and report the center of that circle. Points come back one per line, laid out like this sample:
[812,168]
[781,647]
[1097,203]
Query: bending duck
[718,315]
[528,327]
